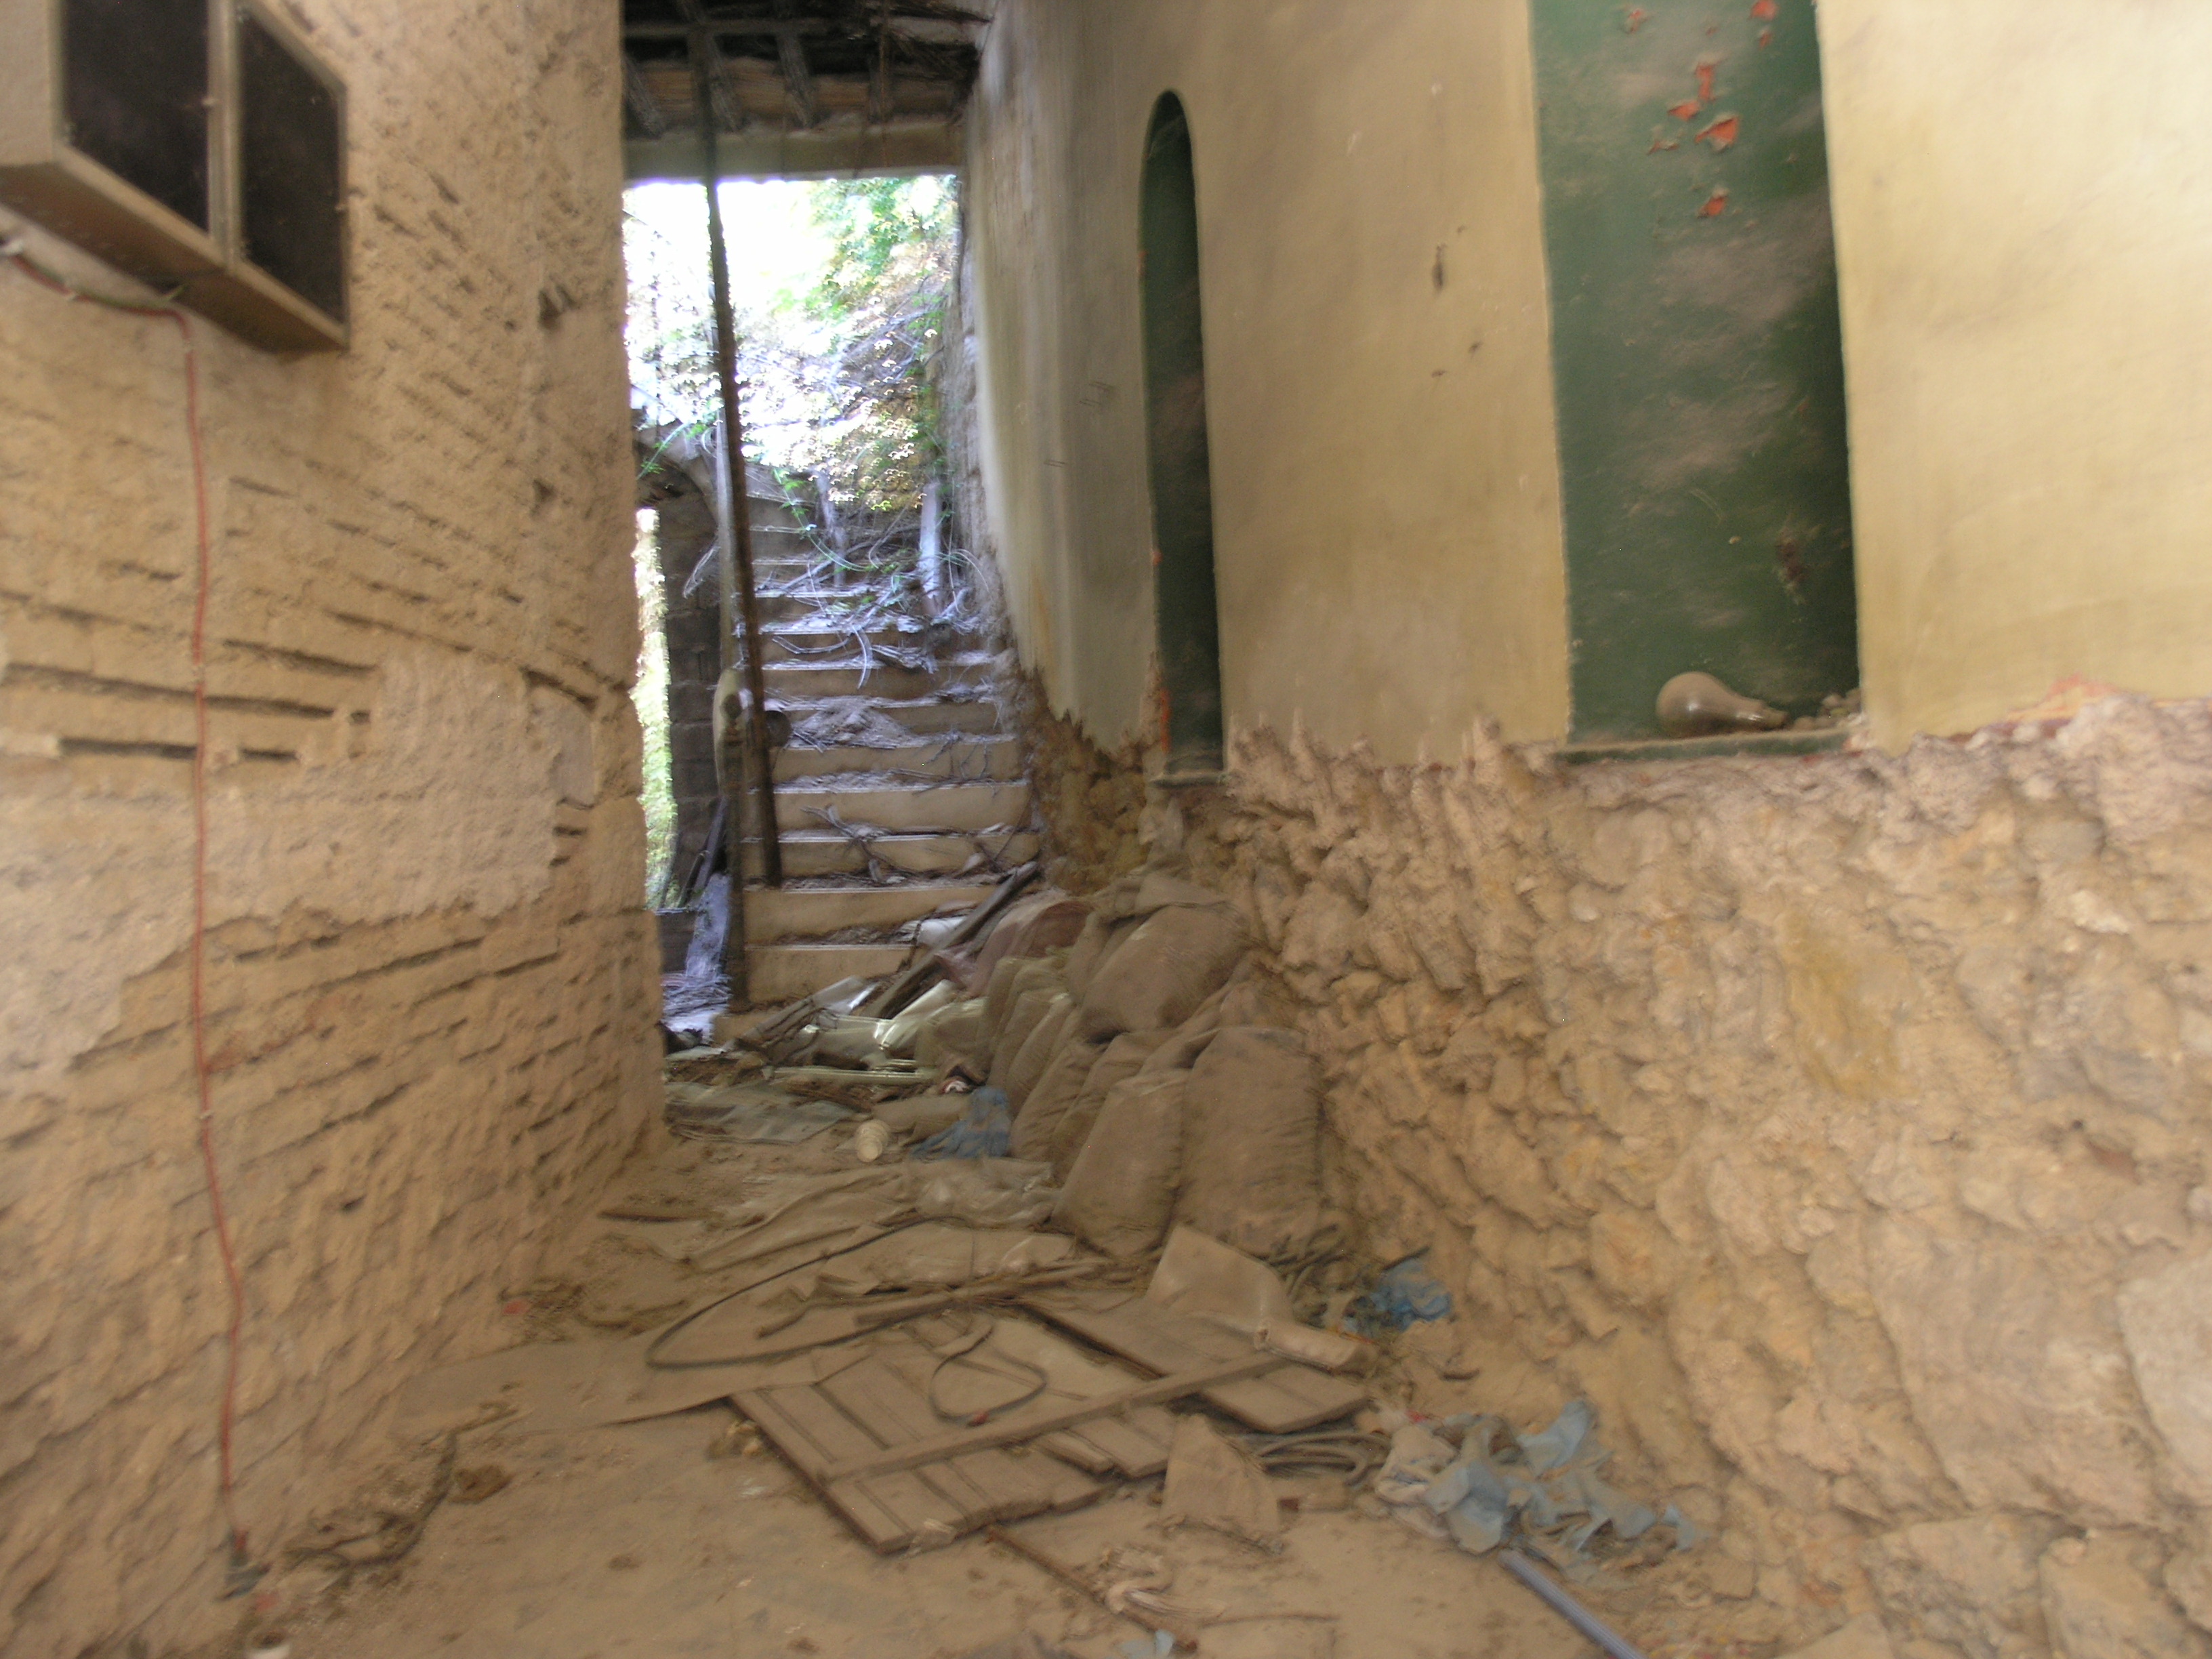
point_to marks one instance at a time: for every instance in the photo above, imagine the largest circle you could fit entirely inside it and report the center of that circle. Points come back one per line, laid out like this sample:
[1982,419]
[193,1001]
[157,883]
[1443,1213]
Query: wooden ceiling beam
[645,109]
[696,15]
[881,95]
[728,112]
[798,78]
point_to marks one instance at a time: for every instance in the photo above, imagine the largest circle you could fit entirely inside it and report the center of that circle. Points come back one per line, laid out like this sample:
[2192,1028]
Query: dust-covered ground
[685,1534]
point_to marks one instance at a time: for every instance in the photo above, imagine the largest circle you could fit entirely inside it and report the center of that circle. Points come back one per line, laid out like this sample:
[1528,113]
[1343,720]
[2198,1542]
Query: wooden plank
[1284,1400]
[994,1486]
[1029,1425]
[1072,1446]
[881,1527]
[1281,1402]
[859,1493]
[1066,1487]
[857,1394]
[1156,1423]
[1124,1446]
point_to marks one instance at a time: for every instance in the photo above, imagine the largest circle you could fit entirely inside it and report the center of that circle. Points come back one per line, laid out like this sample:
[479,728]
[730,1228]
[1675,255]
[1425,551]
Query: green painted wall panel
[1175,443]
[1698,356]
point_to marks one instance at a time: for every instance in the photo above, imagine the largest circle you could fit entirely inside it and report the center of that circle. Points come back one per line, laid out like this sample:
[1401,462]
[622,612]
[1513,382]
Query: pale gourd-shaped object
[1696,705]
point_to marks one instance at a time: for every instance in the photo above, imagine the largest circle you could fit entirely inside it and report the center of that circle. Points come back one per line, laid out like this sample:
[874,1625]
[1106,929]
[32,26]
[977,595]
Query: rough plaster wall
[2026,325]
[1839,1127]
[1378,366]
[1093,802]
[686,524]
[429,982]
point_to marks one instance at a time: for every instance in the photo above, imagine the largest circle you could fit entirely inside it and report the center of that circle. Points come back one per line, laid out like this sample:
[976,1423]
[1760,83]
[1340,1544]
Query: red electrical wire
[202,1072]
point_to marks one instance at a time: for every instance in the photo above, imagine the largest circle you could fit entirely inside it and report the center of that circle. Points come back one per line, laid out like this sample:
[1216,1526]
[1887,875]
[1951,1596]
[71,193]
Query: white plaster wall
[2023,203]
[1386,500]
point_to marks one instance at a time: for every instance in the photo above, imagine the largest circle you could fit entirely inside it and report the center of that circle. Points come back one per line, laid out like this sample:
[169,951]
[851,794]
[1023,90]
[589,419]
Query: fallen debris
[1207,1280]
[480,1481]
[1473,1480]
[1216,1483]
[1121,1599]
[985,1129]
[1282,1397]
[754,1111]
[1405,1295]
[1027,1645]
[1615,1645]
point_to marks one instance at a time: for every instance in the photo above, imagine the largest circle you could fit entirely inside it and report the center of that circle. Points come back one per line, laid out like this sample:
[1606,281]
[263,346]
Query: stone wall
[1092,802]
[685,517]
[1838,1126]
[430,985]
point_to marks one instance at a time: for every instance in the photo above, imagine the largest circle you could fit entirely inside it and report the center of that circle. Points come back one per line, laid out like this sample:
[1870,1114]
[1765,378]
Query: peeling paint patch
[1716,205]
[1787,560]
[1763,11]
[1721,133]
[1635,19]
[1707,68]
[1686,110]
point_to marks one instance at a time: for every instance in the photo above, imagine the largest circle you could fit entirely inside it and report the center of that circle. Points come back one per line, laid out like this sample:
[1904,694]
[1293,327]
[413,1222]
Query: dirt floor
[685,1534]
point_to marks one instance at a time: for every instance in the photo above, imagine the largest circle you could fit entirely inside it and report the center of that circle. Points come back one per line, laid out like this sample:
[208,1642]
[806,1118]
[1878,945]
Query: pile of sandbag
[1137,1065]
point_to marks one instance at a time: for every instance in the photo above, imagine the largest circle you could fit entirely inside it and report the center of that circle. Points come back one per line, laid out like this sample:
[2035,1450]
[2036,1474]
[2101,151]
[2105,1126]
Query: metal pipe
[1565,1605]
[740,538]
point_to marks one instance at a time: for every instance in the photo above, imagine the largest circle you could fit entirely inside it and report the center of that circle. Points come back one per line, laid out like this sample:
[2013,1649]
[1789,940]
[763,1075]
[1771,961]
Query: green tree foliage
[837,370]
[881,302]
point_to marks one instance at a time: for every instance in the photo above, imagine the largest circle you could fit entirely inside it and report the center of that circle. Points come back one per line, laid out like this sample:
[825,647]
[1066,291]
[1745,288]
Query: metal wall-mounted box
[197,144]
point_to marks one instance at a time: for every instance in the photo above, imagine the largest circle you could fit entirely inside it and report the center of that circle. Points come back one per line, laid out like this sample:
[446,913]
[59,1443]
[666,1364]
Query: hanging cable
[12,249]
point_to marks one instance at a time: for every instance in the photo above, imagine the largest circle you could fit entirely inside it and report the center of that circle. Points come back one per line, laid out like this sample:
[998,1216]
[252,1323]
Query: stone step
[792,607]
[924,717]
[781,603]
[817,645]
[784,972]
[762,513]
[821,852]
[990,757]
[903,807]
[804,682]
[774,575]
[814,912]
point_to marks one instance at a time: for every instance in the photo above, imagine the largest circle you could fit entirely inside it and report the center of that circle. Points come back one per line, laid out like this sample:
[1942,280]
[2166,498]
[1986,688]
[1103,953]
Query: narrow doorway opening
[884,766]
[1179,470]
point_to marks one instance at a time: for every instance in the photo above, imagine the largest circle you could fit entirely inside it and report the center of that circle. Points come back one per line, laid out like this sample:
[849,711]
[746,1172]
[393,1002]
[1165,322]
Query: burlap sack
[1252,1172]
[1121,1192]
[1092,945]
[1033,986]
[1056,1092]
[1116,1062]
[998,1003]
[955,1032]
[1180,1052]
[1155,978]
[1031,1059]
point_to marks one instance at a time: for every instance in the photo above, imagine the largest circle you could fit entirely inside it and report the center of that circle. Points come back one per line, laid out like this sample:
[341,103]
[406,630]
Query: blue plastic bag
[988,1131]
[1404,1295]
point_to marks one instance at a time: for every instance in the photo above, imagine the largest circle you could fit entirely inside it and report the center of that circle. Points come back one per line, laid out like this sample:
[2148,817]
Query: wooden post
[740,544]
[729,759]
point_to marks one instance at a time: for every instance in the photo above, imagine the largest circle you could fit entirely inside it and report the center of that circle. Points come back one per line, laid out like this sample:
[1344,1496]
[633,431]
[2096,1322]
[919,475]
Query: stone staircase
[900,793]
